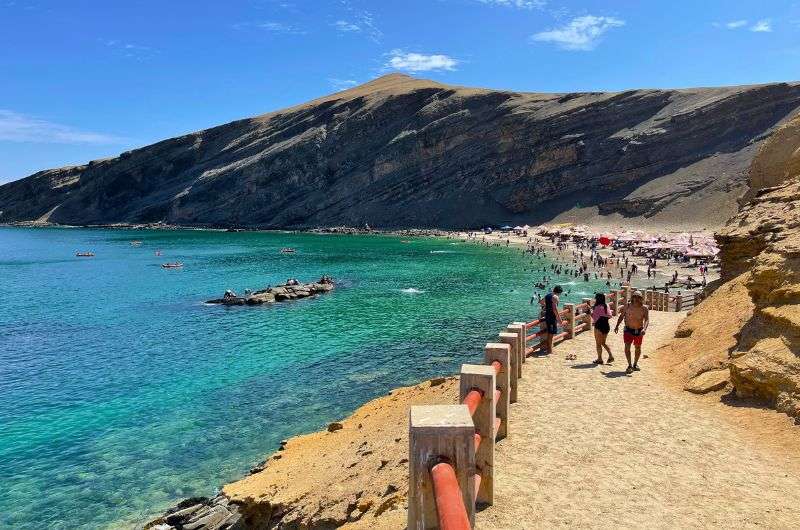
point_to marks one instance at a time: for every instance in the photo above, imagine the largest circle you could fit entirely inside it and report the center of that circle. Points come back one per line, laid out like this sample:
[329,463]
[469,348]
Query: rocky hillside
[747,334]
[402,152]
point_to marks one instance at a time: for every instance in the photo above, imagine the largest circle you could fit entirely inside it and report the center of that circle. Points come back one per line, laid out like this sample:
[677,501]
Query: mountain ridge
[402,152]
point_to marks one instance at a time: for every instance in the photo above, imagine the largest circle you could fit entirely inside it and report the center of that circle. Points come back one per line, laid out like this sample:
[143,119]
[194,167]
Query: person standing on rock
[637,318]
[552,318]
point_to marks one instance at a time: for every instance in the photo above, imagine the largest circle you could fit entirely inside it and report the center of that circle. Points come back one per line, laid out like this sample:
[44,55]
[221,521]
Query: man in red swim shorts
[637,318]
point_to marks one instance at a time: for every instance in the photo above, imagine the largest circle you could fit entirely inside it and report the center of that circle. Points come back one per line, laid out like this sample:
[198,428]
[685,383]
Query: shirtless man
[637,318]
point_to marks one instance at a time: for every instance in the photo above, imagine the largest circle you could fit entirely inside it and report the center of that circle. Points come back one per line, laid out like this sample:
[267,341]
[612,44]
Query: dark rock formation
[401,152]
[279,293]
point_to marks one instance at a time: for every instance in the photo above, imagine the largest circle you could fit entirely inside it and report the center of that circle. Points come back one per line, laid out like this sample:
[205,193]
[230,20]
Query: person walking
[600,318]
[552,318]
[637,317]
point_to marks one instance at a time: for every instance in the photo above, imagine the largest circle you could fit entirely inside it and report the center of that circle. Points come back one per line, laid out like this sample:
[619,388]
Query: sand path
[590,447]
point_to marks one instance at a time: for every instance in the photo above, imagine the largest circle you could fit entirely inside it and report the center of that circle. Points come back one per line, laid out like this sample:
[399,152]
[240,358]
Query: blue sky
[81,80]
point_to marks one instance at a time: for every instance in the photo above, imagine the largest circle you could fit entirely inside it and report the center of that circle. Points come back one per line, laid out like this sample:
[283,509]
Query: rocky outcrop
[402,152]
[745,336]
[766,236]
[279,293]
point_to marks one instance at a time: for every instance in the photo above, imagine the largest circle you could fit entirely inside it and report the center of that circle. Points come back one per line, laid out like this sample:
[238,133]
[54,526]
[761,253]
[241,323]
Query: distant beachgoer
[637,318]
[551,317]
[600,318]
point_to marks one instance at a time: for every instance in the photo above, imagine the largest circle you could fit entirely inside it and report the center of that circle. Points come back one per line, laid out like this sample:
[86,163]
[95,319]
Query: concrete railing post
[648,298]
[482,378]
[511,340]
[587,317]
[501,353]
[678,302]
[438,433]
[519,328]
[619,296]
[570,327]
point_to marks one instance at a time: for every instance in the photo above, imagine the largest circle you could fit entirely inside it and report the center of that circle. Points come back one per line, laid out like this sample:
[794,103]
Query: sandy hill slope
[401,152]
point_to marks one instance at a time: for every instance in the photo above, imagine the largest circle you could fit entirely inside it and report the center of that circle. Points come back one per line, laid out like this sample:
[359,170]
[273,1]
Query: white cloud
[420,62]
[127,49]
[272,27]
[762,26]
[580,33]
[345,26]
[520,4]
[735,24]
[15,127]
[342,84]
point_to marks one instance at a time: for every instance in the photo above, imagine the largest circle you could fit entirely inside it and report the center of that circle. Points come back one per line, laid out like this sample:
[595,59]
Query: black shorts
[602,325]
[551,326]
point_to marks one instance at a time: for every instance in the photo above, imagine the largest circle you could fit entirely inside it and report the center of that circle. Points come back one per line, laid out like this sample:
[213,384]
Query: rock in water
[279,293]
[404,152]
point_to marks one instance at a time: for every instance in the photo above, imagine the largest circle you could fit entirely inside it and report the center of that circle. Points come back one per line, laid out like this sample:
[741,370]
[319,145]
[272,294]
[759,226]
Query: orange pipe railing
[472,400]
[533,324]
[450,506]
[497,367]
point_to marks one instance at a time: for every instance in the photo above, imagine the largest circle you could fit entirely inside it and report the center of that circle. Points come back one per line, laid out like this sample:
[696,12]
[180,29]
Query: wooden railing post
[482,378]
[627,290]
[439,433]
[678,302]
[612,302]
[511,340]
[570,327]
[501,353]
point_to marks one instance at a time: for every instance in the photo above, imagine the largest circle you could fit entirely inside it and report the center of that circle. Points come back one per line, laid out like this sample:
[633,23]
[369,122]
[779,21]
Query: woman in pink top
[600,316]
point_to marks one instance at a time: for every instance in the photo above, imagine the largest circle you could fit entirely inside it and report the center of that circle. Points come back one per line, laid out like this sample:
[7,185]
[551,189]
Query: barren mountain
[403,152]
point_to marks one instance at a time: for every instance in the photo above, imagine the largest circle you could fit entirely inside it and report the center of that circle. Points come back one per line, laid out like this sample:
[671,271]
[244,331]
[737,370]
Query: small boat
[136,243]
[287,250]
[158,252]
[84,254]
[175,265]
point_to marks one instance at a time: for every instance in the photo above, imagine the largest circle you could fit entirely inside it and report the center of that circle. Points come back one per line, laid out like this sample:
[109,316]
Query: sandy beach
[663,273]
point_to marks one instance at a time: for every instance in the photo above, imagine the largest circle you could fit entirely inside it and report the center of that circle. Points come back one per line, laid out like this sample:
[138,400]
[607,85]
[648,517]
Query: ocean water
[121,392]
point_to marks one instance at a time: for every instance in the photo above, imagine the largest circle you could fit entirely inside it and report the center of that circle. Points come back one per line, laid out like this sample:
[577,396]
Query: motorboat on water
[288,250]
[174,265]
[84,254]
[136,243]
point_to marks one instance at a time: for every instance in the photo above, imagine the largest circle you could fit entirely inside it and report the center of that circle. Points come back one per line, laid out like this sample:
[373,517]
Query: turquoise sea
[121,392]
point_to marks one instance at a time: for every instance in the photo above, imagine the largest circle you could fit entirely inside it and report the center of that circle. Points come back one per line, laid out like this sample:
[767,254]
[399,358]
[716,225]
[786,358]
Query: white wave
[411,290]
[442,252]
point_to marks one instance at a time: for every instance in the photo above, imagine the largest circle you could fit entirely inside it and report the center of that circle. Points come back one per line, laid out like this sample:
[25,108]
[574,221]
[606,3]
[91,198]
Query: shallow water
[122,392]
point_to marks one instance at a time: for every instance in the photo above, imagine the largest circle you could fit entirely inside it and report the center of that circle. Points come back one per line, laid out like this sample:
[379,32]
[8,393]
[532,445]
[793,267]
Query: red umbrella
[604,241]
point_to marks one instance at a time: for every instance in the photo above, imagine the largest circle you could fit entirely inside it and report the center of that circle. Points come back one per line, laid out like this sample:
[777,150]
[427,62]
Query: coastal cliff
[404,152]
[746,335]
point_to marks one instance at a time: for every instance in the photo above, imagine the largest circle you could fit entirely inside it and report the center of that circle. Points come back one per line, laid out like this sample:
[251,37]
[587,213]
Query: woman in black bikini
[600,316]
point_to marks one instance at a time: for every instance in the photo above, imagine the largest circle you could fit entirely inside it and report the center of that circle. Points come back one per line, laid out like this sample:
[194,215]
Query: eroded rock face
[401,152]
[763,240]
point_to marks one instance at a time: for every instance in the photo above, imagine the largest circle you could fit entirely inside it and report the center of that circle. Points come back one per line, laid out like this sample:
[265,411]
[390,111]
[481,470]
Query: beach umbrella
[605,241]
